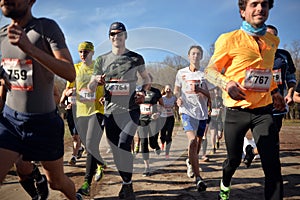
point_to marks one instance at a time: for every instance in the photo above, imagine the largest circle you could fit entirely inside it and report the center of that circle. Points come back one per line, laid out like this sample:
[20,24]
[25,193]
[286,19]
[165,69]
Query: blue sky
[158,27]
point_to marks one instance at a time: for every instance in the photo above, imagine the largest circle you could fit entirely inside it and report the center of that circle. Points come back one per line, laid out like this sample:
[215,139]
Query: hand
[139,97]
[69,92]
[17,36]
[234,90]
[102,100]
[289,100]
[155,116]
[278,101]
[100,79]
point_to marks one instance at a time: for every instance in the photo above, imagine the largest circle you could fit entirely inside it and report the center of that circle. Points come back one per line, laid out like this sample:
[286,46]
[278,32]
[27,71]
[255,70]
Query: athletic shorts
[38,137]
[192,124]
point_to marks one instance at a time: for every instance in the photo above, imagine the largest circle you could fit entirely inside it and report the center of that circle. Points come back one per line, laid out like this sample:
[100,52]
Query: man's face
[14,9]
[195,56]
[256,12]
[117,38]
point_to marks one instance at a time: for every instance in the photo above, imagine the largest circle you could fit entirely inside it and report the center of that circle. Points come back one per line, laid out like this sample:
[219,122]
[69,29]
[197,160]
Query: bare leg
[57,179]
[7,160]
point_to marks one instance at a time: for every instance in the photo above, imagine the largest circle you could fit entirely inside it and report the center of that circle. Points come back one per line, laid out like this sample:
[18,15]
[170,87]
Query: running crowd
[247,85]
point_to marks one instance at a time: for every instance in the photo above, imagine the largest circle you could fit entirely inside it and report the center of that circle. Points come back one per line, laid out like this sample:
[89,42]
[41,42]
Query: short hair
[196,47]
[273,28]
[243,3]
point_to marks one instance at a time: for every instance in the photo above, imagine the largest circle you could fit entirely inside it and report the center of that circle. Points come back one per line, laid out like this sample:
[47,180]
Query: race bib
[119,88]
[277,76]
[215,112]
[192,84]
[146,109]
[86,95]
[19,73]
[72,100]
[258,80]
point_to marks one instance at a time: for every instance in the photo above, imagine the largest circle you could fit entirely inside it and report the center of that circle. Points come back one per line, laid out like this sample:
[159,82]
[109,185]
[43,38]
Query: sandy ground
[169,179]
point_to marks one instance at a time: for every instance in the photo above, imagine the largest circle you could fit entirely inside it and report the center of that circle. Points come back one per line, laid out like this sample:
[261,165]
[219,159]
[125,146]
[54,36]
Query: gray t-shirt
[121,77]
[32,84]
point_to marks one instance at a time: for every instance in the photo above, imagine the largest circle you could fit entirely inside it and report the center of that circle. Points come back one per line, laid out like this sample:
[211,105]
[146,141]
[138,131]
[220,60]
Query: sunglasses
[112,34]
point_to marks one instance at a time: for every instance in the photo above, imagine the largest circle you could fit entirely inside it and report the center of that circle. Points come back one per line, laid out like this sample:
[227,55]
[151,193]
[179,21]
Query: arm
[2,94]
[296,96]
[60,63]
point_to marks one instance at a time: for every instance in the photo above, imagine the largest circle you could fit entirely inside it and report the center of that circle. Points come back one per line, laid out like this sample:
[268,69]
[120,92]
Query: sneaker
[189,172]
[78,196]
[72,161]
[146,172]
[42,188]
[136,149]
[85,189]
[126,192]
[200,185]
[99,173]
[204,159]
[249,155]
[224,192]
[80,152]
[157,151]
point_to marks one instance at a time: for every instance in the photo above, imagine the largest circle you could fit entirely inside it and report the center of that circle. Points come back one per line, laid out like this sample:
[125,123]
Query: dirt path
[169,180]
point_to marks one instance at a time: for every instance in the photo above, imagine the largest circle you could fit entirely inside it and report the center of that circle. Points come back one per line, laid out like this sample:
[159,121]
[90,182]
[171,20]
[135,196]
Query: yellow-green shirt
[234,53]
[87,103]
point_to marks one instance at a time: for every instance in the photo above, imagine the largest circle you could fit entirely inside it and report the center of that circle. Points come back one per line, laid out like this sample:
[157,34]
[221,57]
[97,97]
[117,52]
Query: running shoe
[78,196]
[80,152]
[200,185]
[249,155]
[99,173]
[42,188]
[157,151]
[126,192]
[189,172]
[136,149]
[224,192]
[146,172]
[72,161]
[85,189]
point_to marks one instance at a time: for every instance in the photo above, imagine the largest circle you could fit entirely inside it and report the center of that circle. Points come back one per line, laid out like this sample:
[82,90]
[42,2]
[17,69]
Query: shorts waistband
[264,110]
[32,116]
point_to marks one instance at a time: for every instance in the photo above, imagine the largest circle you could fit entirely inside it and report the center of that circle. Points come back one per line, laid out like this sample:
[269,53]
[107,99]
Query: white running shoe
[189,172]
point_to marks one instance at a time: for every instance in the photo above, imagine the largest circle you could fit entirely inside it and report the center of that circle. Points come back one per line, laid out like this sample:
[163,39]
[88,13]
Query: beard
[11,12]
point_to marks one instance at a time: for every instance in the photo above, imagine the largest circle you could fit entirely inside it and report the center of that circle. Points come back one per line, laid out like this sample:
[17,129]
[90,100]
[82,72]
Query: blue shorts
[38,137]
[192,124]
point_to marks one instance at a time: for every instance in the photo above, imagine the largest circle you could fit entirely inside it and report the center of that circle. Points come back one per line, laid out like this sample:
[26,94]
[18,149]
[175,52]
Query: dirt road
[169,179]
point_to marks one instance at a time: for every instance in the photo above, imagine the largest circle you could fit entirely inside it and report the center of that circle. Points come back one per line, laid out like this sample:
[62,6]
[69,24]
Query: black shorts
[38,137]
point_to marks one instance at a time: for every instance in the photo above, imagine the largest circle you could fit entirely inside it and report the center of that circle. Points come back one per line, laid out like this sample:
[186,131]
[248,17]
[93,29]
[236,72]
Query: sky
[158,28]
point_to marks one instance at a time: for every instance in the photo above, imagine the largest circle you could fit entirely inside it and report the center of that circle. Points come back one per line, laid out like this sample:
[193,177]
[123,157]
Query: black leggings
[237,123]
[120,129]
[166,133]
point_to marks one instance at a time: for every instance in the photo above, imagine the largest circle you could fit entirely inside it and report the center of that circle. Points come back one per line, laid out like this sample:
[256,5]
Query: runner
[242,66]
[118,70]
[192,98]
[169,100]
[34,49]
